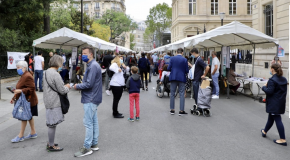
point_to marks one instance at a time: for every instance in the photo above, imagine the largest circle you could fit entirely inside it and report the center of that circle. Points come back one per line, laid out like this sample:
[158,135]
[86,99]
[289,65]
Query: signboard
[14,58]
[281,52]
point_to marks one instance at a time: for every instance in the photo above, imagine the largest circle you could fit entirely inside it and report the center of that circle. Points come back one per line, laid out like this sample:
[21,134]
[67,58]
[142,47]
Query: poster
[281,52]
[13,58]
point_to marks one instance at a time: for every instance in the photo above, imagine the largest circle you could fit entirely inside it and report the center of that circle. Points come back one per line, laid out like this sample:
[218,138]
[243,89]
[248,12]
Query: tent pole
[227,72]
[277,53]
[253,63]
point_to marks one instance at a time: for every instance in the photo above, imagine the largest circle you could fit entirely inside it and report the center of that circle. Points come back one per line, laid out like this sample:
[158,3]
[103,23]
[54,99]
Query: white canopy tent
[65,38]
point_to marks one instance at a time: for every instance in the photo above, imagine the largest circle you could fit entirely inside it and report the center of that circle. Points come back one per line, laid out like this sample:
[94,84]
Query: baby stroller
[203,100]
[164,87]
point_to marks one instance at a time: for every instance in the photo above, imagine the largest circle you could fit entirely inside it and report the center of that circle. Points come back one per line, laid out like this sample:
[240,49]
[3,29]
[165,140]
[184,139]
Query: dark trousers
[195,87]
[279,124]
[155,68]
[235,88]
[117,94]
[144,71]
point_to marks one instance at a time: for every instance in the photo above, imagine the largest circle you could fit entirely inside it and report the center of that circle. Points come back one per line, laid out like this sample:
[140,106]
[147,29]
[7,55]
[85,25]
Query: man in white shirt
[215,66]
[38,70]
[64,58]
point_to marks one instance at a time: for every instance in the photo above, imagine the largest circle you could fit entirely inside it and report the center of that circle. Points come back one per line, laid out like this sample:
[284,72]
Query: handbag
[22,109]
[63,99]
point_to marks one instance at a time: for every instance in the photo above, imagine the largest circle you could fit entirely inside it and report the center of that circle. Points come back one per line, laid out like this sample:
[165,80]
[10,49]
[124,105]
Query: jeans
[279,124]
[142,80]
[195,87]
[117,94]
[155,68]
[215,80]
[38,75]
[91,123]
[134,97]
[181,89]
[150,73]
[107,82]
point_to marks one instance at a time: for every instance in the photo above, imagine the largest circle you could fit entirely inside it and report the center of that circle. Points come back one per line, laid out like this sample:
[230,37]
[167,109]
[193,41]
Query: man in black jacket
[106,63]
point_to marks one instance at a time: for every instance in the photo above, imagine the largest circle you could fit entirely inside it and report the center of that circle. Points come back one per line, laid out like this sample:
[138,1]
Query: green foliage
[148,35]
[117,21]
[76,22]
[132,38]
[101,31]
[61,16]
[159,19]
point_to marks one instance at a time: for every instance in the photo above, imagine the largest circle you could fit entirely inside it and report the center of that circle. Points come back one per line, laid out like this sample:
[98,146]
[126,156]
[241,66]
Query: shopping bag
[22,109]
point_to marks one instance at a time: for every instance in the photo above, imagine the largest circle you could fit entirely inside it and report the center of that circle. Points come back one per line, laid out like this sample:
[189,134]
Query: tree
[61,16]
[76,21]
[117,21]
[159,19]
[101,31]
[132,38]
[148,36]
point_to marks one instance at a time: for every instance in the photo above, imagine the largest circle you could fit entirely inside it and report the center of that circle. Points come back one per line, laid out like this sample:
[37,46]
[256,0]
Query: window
[86,6]
[214,7]
[75,5]
[87,14]
[97,14]
[249,7]
[192,7]
[232,7]
[268,11]
[97,5]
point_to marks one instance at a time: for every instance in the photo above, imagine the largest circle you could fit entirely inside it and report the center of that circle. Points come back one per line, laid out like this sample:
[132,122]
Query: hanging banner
[281,52]
[13,58]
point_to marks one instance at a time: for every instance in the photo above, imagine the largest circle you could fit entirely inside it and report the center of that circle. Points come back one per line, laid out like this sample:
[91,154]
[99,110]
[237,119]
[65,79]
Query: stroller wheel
[197,113]
[194,107]
[191,111]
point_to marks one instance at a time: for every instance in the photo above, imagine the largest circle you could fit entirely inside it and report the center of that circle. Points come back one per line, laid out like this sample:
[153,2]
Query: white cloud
[139,9]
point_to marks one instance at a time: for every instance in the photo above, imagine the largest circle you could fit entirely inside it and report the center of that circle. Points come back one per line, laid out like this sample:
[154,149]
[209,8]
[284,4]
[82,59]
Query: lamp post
[88,28]
[222,16]
[82,23]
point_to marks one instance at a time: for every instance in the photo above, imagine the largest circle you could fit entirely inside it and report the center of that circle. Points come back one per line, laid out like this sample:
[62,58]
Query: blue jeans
[216,88]
[181,89]
[195,87]
[38,75]
[91,123]
[155,71]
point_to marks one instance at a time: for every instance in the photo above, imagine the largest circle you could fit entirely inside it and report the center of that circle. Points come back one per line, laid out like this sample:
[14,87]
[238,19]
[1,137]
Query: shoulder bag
[63,99]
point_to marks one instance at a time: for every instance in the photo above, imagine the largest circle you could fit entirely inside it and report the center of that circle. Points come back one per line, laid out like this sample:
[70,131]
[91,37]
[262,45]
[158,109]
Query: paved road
[233,132]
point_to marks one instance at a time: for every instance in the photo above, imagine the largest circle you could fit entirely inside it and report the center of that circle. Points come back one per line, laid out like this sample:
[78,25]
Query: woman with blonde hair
[117,83]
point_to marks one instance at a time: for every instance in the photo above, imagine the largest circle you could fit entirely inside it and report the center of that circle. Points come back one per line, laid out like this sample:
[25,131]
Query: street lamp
[222,16]
[88,28]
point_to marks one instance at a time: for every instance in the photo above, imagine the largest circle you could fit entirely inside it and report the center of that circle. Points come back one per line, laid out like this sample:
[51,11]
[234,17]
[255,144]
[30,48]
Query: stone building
[192,16]
[141,45]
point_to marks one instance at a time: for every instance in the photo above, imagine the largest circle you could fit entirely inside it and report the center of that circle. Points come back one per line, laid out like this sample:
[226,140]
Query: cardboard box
[204,84]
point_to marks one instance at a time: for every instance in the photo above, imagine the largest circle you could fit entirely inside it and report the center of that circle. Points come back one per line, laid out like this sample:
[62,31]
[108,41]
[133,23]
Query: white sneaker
[108,92]
[215,97]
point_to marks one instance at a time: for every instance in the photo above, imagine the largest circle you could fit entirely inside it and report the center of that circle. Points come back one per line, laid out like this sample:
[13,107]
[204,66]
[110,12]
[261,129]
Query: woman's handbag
[63,100]
[22,109]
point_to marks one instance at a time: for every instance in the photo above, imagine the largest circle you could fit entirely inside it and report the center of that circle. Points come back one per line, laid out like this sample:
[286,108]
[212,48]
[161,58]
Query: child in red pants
[133,85]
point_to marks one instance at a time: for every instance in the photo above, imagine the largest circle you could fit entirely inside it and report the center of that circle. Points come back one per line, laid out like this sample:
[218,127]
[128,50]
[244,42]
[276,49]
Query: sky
[139,9]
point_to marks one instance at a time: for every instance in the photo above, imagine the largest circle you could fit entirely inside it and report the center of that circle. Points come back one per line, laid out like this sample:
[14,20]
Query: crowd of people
[129,72]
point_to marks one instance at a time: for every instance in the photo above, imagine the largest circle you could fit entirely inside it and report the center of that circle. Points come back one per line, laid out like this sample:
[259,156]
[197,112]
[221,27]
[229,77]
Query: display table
[258,81]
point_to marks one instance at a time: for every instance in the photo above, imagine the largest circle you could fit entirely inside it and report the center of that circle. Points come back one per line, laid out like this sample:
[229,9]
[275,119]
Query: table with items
[258,81]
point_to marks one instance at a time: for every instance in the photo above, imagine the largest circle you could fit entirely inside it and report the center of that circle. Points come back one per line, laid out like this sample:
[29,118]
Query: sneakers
[108,92]
[95,147]
[17,139]
[31,136]
[172,112]
[182,113]
[131,119]
[83,152]
[215,97]
[137,118]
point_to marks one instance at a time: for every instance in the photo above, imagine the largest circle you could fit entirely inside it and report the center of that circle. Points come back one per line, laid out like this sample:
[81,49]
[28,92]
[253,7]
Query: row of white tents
[235,35]
[66,38]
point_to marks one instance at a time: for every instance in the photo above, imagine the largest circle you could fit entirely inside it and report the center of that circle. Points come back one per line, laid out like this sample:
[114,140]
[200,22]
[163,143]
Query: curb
[7,80]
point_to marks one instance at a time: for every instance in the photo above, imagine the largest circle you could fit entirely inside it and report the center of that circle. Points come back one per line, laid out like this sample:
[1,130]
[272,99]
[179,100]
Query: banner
[13,58]
[281,52]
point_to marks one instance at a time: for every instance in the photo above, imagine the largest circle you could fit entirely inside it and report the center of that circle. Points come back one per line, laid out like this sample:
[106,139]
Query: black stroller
[203,102]
[164,87]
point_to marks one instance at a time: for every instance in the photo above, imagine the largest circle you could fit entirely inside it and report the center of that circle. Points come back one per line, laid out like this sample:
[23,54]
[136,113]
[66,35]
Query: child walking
[134,84]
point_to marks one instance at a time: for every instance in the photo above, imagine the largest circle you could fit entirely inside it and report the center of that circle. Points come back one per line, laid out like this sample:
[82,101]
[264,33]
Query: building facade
[190,17]
[96,8]
[140,44]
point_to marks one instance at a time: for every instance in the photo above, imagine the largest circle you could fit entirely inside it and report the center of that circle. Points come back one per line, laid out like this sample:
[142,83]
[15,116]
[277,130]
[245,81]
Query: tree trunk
[46,16]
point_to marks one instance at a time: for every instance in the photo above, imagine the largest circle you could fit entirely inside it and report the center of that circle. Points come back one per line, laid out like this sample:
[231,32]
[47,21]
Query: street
[231,133]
